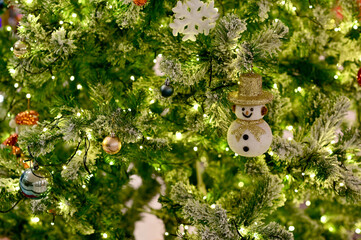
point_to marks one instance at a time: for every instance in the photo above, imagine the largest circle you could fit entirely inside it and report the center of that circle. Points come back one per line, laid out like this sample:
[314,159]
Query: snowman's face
[250,112]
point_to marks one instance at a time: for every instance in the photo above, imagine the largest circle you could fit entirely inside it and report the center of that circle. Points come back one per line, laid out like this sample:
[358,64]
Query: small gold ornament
[21,48]
[112,144]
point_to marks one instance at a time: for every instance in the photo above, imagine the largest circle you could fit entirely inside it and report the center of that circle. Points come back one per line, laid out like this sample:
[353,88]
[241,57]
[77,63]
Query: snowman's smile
[247,116]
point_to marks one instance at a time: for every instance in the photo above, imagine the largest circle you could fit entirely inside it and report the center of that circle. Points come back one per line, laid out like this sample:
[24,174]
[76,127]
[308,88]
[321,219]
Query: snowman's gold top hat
[250,91]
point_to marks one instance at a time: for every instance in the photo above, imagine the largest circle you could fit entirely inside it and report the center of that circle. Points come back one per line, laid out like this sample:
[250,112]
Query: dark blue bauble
[2,4]
[166,90]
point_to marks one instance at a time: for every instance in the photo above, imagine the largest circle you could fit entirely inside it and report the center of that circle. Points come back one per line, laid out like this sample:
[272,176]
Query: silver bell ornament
[35,183]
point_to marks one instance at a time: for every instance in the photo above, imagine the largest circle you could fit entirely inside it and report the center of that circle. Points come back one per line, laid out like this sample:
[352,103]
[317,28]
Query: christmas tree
[114,110]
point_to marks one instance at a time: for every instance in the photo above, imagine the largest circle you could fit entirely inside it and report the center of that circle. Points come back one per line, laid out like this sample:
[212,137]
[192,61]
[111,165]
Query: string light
[335,77]
[83,186]
[337,29]
[312,175]
[79,87]
[1,98]
[275,86]
[12,71]
[111,163]
[296,190]
[105,235]
[166,233]
[28,95]
[52,224]
[132,78]
[186,227]
[355,27]
[291,228]
[358,231]
[195,106]
[342,184]
[294,8]
[78,114]
[64,167]
[310,6]
[72,78]
[16,85]
[276,20]
[74,15]
[29,1]
[283,2]
[141,147]
[178,135]
[271,153]
[287,177]
[152,101]
[213,206]
[241,184]
[289,128]
[308,203]
[323,219]
[227,149]
[61,22]
[53,77]
[195,149]
[35,219]
[8,28]
[155,60]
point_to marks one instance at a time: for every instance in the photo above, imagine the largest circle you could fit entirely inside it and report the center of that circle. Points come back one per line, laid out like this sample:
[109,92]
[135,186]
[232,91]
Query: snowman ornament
[249,135]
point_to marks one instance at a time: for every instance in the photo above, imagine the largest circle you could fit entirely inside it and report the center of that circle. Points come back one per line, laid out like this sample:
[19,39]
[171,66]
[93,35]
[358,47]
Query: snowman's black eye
[251,109]
[243,109]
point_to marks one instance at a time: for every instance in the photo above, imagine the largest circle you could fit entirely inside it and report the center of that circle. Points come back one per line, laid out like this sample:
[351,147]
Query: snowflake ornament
[193,17]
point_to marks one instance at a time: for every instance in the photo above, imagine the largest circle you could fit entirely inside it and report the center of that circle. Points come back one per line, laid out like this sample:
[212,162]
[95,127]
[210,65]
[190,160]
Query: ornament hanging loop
[167,82]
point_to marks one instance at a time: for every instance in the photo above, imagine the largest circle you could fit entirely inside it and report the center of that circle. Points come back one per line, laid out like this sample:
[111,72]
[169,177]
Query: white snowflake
[193,17]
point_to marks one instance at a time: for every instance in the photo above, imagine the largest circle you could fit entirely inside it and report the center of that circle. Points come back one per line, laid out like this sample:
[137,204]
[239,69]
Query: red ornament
[27,118]
[140,2]
[338,12]
[359,77]
[12,140]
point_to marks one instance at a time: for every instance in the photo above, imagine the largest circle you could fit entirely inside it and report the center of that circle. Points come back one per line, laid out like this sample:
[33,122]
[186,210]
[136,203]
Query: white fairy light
[241,184]
[83,186]
[141,147]
[227,149]
[358,231]
[129,109]
[186,227]
[310,6]
[45,129]
[2,98]
[78,114]
[308,203]
[29,1]
[287,177]
[195,106]
[296,190]
[8,28]
[178,135]
[28,95]
[53,77]
[111,163]
[283,2]
[342,184]
[64,167]
[275,86]
[312,175]
[52,223]
[195,149]
[355,27]
[271,153]
[105,235]
[12,71]
[74,15]
[166,233]
[335,77]
[294,8]
[72,78]
[132,78]
[35,219]
[61,22]
[213,206]
[291,228]
[16,85]
[289,128]
[205,115]
[276,20]
[79,87]
[155,60]
[323,219]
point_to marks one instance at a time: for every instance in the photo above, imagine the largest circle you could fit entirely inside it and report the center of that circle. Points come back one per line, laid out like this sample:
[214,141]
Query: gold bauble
[21,48]
[112,144]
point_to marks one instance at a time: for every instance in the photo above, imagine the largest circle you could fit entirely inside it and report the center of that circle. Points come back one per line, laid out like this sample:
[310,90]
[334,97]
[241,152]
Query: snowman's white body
[248,145]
